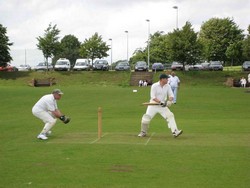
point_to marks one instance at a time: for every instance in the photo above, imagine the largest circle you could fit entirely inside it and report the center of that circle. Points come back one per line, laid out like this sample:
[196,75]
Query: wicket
[99,123]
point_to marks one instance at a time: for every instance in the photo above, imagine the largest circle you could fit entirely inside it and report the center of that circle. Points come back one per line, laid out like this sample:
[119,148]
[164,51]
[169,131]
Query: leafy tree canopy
[158,42]
[183,45]
[246,46]
[4,46]
[69,48]
[180,45]
[216,35]
[49,44]
[94,47]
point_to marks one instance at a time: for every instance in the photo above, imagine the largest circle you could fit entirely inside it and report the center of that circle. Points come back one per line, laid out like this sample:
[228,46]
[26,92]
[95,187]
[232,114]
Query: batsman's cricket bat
[150,103]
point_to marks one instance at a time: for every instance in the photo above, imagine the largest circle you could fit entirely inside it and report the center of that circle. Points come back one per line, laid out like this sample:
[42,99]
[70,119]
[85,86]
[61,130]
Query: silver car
[43,67]
[24,68]
[215,66]
[122,66]
[141,66]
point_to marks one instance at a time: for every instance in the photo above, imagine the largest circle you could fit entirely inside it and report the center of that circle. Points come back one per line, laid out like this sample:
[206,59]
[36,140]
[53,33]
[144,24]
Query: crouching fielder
[46,109]
[160,93]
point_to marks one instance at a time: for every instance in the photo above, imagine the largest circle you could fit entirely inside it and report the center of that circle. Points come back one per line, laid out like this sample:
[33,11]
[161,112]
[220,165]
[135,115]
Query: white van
[62,64]
[81,64]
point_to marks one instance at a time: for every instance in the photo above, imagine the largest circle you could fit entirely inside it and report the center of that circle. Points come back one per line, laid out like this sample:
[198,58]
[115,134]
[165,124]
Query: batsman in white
[46,109]
[161,93]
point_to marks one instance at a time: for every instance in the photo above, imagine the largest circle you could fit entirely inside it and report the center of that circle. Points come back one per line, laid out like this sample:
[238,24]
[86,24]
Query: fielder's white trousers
[165,113]
[46,117]
[175,91]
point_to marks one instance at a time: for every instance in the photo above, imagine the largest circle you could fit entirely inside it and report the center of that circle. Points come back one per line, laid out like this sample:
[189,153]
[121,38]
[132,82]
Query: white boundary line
[149,138]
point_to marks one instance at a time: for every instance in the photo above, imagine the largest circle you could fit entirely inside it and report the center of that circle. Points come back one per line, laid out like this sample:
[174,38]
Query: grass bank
[113,78]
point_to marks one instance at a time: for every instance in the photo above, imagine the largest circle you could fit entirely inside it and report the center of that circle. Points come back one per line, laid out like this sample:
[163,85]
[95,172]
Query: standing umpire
[174,82]
[46,109]
[160,93]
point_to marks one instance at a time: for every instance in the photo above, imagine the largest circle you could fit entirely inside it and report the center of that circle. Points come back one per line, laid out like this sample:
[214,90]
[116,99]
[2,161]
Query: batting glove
[163,104]
[169,103]
[65,119]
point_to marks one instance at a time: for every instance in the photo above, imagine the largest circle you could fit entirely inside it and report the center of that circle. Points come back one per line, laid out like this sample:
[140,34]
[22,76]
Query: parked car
[205,65]
[215,66]
[101,64]
[8,68]
[176,66]
[43,67]
[81,64]
[188,67]
[141,66]
[24,68]
[246,66]
[157,67]
[122,66]
[62,64]
[167,66]
[197,67]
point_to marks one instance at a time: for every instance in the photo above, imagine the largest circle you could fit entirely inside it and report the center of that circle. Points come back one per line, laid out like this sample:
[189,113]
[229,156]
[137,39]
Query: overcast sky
[27,19]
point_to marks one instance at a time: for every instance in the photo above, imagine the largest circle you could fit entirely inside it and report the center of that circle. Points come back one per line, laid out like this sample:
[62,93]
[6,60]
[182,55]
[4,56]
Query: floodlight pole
[127,44]
[176,7]
[148,40]
[111,49]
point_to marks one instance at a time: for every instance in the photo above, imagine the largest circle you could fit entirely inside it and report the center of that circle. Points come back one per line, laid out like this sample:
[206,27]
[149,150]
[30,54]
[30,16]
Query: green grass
[213,151]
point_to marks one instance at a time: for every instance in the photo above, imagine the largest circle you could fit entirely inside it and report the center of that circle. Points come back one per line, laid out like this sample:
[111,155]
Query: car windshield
[176,63]
[100,62]
[141,63]
[41,64]
[123,64]
[61,62]
[215,63]
[247,63]
[81,63]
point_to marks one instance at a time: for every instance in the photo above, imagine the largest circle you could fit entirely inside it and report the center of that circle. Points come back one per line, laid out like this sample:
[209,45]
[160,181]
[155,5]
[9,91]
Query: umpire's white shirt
[47,103]
[159,92]
[174,81]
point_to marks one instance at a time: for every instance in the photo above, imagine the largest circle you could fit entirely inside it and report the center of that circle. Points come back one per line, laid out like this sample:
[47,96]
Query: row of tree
[219,39]
[70,47]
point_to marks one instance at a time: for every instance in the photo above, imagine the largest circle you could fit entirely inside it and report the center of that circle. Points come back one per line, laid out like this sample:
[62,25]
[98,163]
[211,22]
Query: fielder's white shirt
[46,103]
[161,93]
[174,81]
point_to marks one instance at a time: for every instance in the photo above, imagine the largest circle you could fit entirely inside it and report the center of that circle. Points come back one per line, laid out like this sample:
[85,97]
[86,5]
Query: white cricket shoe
[142,134]
[42,137]
[48,133]
[177,133]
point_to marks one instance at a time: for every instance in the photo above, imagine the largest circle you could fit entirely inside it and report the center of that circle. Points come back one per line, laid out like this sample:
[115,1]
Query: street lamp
[148,39]
[176,7]
[127,44]
[111,45]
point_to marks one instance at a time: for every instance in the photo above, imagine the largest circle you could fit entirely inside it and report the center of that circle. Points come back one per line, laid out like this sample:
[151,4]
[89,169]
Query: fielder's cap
[58,91]
[162,76]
